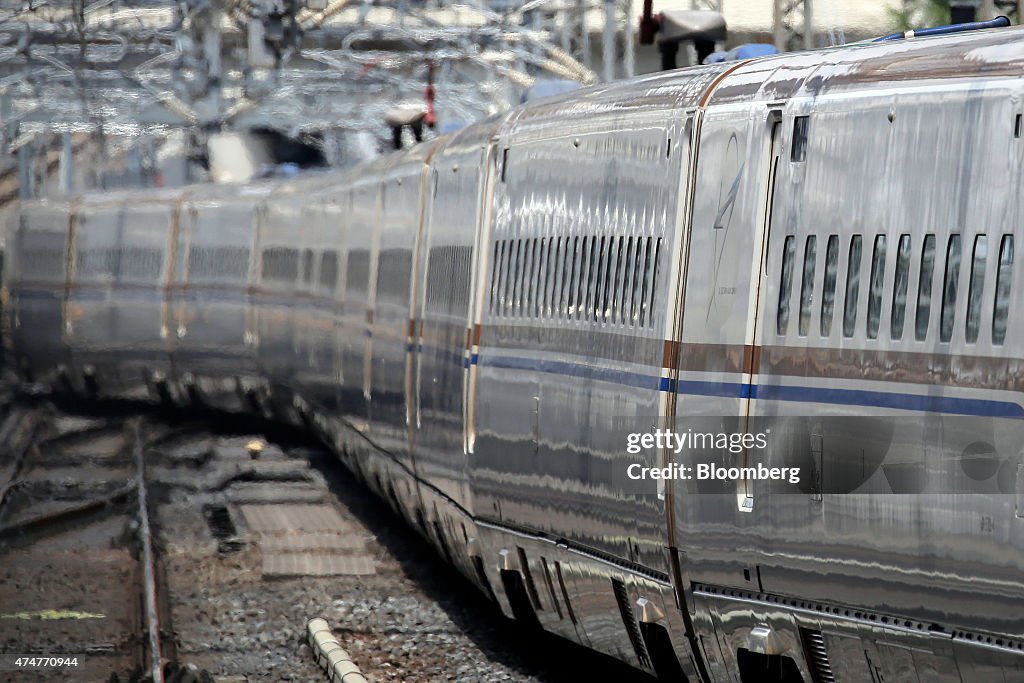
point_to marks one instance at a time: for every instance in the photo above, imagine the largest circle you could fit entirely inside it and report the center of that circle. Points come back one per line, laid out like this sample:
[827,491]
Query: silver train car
[819,246]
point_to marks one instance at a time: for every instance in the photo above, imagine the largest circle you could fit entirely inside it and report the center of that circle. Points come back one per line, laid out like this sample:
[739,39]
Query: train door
[737,151]
[494,167]
[452,211]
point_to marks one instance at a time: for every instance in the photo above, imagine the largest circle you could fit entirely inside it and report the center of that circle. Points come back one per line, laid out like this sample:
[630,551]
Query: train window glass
[807,284]
[582,293]
[538,279]
[875,286]
[495,257]
[515,269]
[542,266]
[601,290]
[645,274]
[617,283]
[901,282]
[218,263]
[329,270]
[785,284]
[394,273]
[307,266]
[828,290]
[280,264]
[949,286]
[542,276]
[557,271]
[505,301]
[638,270]
[924,288]
[528,273]
[852,285]
[801,124]
[654,282]
[506,276]
[627,280]
[573,263]
[1004,276]
[593,277]
[357,271]
[975,288]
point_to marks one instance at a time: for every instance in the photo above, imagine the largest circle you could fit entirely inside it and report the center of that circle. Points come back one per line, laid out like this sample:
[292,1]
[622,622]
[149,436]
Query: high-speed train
[816,251]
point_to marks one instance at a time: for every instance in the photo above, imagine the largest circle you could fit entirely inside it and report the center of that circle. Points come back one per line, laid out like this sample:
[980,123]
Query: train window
[638,270]
[280,264]
[654,283]
[218,263]
[828,290]
[515,268]
[627,280]
[644,279]
[949,287]
[495,255]
[924,288]
[807,284]
[357,270]
[505,300]
[542,276]
[307,266]
[875,286]
[394,273]
[586,278]
[620,274]
[574,275]
[329,270]
[900,284]
[647,302]
[601,293]
[800,127]
[785,285]
[975,288]
[528,277]
[852,285]
[1004,276]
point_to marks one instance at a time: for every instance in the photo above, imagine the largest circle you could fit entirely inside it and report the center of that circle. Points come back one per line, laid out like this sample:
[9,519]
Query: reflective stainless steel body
[819,245]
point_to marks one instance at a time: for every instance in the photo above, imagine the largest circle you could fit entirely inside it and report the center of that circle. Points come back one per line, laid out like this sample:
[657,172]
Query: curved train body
[815,246]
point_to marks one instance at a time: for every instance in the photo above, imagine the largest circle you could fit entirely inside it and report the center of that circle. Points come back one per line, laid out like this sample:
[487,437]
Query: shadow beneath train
[537,655]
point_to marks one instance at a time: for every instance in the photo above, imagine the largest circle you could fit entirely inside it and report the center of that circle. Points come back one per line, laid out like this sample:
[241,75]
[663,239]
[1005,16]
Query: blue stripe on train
[769,392]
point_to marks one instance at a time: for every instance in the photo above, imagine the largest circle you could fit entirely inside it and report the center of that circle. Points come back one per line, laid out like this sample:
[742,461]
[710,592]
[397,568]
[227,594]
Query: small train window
[924,288]
[644,286]
[807,283]
[600,283]
[1004,278]
[852,285]
[329,270]
[785,285]
[901,282]
[638,269]
[280,264]
[307,266]
[800,127]
[654,281]
[620,280]
[576,266]
[828,290]
[875,286]
[976,287]
[628,279]
[949,287]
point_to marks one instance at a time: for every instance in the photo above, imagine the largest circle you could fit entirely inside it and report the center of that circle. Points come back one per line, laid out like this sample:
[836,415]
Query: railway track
[152,547]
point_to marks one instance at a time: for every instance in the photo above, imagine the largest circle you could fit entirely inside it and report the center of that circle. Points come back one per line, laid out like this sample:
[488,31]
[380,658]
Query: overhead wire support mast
[793,22]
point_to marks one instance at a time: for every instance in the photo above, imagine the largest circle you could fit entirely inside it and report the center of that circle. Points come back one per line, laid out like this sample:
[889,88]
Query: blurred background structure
[100,94]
